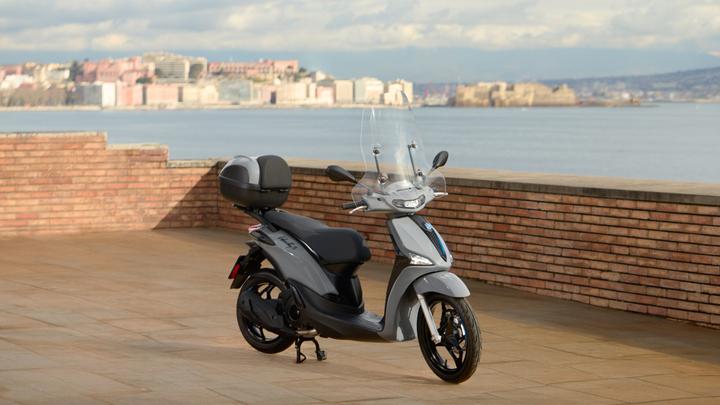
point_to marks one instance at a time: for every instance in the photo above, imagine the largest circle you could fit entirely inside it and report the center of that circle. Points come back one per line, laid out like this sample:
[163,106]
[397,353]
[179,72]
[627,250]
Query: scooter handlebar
[351,205]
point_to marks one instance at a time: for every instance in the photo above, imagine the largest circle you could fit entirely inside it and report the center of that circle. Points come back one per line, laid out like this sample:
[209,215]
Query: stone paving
[147,317]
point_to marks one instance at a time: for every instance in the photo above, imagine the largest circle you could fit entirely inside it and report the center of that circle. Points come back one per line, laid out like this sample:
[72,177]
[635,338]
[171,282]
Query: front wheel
[456,357]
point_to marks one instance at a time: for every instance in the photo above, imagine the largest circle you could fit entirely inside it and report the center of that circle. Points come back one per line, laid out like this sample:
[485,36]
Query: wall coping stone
[29,134]
[143,146]
[591,186]
[208,163]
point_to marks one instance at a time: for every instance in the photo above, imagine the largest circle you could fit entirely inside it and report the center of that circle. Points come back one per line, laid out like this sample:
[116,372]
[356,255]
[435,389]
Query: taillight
[234,271]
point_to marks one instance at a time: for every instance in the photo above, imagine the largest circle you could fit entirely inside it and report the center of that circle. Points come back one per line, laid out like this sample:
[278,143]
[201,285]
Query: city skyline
[423,41]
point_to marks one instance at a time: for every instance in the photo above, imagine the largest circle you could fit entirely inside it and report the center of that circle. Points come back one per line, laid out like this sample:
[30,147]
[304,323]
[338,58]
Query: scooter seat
[331,245]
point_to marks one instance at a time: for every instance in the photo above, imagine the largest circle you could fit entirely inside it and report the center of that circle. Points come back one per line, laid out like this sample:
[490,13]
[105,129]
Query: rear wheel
[268,286]
[456,357]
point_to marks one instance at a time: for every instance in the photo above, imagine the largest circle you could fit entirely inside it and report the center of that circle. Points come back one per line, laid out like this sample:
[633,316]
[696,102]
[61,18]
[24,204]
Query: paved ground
[147,317]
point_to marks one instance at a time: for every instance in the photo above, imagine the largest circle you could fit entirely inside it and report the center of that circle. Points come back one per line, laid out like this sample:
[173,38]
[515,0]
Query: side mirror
[337,173]
[440,159]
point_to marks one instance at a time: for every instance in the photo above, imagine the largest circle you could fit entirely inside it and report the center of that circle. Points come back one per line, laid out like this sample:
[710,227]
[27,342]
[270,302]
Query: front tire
[268,286]
[456,357]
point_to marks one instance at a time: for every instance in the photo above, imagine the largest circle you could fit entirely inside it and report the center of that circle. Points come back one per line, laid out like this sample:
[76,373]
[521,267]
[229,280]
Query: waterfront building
[312,89]
[343,91]
[160,94]
[202,94]
[235,91]
[395,89]
[502,94]
[100,94]
[128,95]
[291,93]
[264,93]
[368,90]
[325,94]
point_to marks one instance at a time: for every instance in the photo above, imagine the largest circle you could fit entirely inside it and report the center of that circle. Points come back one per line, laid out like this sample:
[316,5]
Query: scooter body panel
[412,236]
[294,262]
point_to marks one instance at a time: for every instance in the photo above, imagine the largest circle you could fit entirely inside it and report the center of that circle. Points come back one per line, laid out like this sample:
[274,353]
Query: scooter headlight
[409,204]
[417,260]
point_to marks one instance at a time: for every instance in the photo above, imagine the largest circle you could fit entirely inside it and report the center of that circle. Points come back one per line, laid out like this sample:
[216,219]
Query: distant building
[174,67]
[165,94]
[58,75]
[368,90]
[235,91]
[287,67]
[264,93]
[394,92]
[127,70]
[475,95]
[128,95]
[502,94]
[318,75]
[343,91]
[100,94]
[13,81]
[291,93]
[262,69]
[202,94]
[325,94]
[48,74]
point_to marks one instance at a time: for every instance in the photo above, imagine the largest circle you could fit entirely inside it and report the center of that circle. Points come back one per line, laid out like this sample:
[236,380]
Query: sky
[436,40]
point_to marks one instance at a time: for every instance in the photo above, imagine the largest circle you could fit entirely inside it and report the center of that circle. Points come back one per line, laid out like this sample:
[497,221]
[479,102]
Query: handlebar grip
[351,205]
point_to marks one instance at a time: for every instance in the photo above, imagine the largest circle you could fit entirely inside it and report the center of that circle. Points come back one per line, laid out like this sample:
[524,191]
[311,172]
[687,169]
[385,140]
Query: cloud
[136,25]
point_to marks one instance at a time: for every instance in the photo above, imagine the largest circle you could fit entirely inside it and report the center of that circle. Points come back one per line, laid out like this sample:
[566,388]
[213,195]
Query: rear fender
[246,265]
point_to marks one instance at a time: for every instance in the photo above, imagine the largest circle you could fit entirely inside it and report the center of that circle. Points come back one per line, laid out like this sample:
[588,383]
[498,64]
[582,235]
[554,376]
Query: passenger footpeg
[300,357]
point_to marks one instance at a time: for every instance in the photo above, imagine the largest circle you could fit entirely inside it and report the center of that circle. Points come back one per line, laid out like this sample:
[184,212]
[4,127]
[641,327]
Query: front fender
[443,282]
[402,306]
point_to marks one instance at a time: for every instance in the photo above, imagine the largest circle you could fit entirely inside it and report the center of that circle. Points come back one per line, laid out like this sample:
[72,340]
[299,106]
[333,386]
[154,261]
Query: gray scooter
[312,288]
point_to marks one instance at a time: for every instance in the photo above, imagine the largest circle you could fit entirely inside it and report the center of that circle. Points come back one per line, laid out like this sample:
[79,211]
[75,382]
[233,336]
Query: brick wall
[625,246]
[61,183]
[643,246]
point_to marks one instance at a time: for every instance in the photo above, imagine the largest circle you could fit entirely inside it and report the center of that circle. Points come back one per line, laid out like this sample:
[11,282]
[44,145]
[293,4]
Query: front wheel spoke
[456,358]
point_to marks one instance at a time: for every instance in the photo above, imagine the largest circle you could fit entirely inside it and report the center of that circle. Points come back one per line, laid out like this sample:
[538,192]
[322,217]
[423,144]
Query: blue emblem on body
[428,226]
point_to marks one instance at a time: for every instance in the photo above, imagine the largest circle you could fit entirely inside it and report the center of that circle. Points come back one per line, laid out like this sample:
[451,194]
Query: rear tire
[456,357]
[260,339]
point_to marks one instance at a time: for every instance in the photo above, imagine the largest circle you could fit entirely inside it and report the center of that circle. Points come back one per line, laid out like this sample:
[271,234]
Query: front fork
[434,334]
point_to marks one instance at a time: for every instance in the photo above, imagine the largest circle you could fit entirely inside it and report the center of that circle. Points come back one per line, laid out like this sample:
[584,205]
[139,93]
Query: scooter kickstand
[319,353]
[300,357]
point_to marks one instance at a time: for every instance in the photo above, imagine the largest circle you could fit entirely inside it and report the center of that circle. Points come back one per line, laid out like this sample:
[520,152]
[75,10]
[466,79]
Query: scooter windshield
[393,153]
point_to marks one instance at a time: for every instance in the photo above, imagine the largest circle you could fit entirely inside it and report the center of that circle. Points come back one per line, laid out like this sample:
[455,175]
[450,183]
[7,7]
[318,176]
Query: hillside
[699,84]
